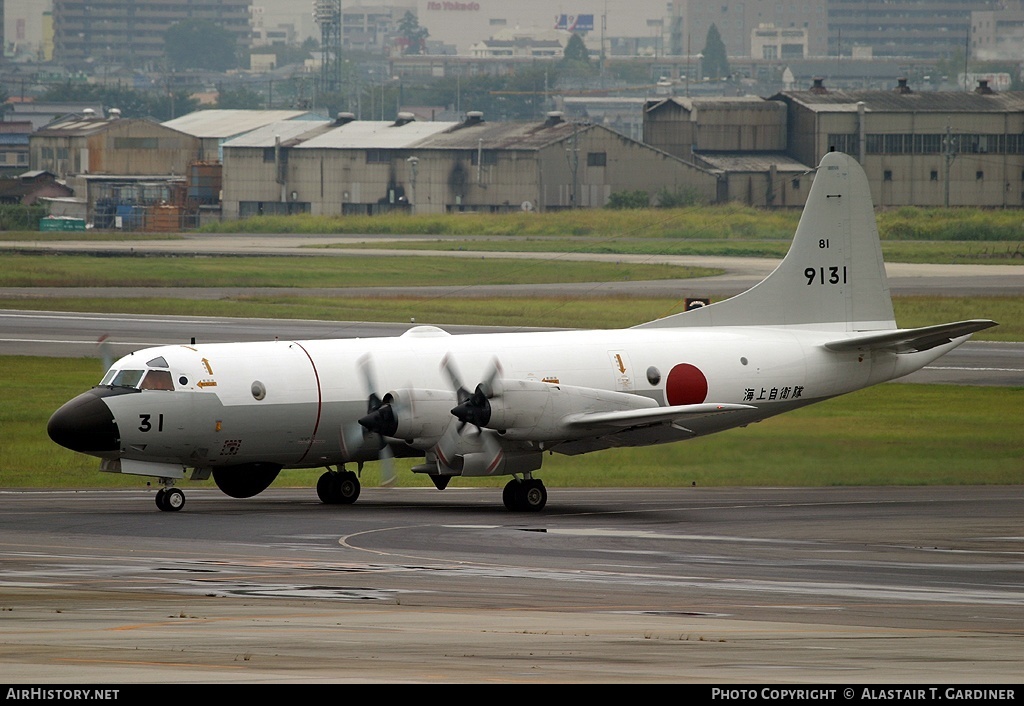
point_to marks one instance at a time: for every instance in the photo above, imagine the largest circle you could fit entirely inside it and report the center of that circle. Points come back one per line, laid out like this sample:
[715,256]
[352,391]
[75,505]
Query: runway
[692,585]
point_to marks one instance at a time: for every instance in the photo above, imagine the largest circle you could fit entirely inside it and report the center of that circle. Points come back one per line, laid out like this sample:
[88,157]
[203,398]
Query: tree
[157,103]
[716,61]
[622,200]
[412,37]
[576,51]
[200,44]
[240,98]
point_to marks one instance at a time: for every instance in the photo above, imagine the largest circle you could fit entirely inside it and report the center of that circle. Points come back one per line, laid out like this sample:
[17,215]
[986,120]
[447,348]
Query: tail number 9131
[825,275]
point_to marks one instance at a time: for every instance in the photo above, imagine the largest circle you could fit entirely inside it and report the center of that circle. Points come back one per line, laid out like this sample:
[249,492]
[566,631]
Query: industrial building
[742,139]
[212,128]
[923,148]
[122,171]
[93,144]
[917,148]
[367,167]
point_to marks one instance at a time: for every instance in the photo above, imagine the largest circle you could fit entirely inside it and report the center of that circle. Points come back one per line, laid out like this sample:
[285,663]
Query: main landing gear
[170,499]
[527,495]
[342,487]
[338,487]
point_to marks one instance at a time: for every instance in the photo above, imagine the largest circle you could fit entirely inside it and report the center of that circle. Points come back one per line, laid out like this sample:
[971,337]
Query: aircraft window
[158,363]
[127,378]
[108,377]
[157,380]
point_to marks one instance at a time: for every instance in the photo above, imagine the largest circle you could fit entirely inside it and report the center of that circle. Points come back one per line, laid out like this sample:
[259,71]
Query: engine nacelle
[526,409]
[488,464]
[421,416]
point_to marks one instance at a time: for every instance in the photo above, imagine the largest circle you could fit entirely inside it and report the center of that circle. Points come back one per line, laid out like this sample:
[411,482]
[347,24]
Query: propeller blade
[379,422]
[373,400]
[491,385]
[447,447]
[388,475]
[105,351]
[448,365]
[495,453]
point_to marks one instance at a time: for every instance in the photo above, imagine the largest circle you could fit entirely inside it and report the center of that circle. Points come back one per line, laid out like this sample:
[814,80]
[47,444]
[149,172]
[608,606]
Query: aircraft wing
[910,340]
[654,415]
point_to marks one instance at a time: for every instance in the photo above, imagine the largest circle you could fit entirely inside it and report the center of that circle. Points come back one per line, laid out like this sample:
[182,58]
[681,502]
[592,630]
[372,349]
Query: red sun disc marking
[686,384]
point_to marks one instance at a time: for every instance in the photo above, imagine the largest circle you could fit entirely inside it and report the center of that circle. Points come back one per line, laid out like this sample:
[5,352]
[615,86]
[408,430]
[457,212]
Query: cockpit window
[157,380]
[157,363]
[140,379]
[125,378]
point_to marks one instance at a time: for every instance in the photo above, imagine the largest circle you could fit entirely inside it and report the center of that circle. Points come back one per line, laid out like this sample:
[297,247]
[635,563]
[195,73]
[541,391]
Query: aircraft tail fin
[833,276]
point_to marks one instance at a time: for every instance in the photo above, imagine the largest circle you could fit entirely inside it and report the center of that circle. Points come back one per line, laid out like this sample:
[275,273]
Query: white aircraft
[819,326]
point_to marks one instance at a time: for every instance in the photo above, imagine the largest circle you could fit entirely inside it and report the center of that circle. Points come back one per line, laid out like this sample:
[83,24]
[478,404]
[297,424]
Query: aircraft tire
[508,494]
[323,487]
[345,488]
[525,496]
[170,499]
[533,496]
[174,500]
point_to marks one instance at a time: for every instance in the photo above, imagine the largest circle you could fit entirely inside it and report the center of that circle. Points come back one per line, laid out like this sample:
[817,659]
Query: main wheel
[508,495]
[323,487]
[533,496]
[525,496]
[344,488]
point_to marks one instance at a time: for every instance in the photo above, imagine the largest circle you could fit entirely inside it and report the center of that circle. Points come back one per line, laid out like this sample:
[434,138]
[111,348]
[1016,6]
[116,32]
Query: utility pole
[414,163]
[572,155]
[950,155]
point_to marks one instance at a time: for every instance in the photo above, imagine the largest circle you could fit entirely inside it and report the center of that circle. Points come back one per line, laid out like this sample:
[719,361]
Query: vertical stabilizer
[833,276]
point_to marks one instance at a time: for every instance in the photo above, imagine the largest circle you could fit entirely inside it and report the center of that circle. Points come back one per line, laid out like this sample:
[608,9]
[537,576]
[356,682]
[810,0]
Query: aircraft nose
[85,424]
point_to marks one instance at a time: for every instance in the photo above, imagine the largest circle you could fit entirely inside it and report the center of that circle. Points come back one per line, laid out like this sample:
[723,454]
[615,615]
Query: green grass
[32,270]
[893,434]
[702,222]
[582,311]
[80,236]
[928,252]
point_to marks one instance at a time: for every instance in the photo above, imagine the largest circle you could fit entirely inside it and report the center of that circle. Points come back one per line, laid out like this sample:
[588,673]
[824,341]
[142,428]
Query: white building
[24,27]
[463,23]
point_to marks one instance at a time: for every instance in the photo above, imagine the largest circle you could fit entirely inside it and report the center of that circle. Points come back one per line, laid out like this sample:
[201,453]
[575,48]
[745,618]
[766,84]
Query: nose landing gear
[170,499]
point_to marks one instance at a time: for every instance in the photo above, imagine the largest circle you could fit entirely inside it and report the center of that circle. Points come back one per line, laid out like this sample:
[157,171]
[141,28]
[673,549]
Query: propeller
[378,422]
[473,408]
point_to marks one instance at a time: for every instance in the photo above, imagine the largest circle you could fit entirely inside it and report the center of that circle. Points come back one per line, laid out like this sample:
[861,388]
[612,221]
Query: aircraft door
[621,369]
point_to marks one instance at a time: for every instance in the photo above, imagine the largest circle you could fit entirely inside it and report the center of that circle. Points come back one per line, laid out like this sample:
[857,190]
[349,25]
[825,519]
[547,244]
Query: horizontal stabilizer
[910,340]
[655,415]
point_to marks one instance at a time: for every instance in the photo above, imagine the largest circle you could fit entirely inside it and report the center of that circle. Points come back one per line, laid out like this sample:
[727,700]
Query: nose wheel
[170,499]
